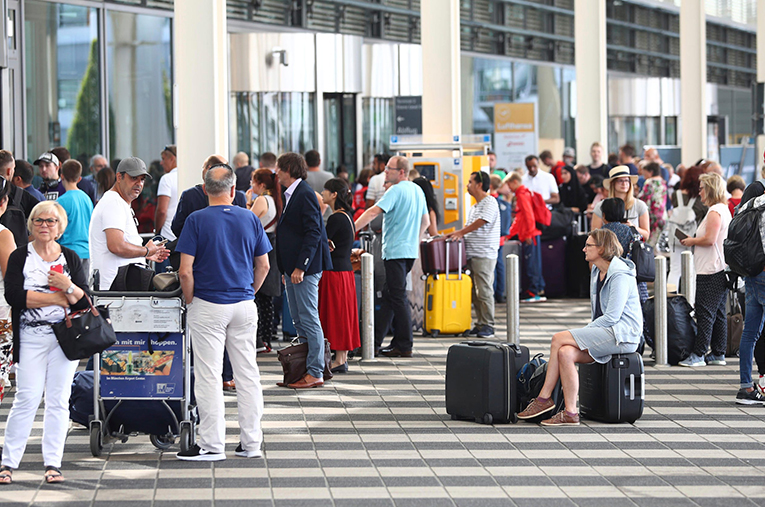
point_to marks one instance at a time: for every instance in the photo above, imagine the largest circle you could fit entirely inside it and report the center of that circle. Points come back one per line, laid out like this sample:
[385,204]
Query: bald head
[241,159]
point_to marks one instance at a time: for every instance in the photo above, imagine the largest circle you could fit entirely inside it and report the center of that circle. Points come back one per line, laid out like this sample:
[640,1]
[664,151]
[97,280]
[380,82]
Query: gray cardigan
[619,301]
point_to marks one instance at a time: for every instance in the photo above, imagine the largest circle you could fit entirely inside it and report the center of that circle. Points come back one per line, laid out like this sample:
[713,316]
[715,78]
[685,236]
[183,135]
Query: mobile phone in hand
[680,234]
[58,268]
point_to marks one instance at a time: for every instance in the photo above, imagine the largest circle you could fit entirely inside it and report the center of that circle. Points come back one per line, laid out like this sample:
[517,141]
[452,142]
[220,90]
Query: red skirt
[338,311]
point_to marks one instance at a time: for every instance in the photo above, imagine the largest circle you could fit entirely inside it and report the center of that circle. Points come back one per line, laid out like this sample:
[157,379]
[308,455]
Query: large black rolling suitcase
[613,392]
[481,382]
[554,267]
[577,269]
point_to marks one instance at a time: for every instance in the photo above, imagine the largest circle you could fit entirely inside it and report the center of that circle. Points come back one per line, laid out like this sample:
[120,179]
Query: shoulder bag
[85,333]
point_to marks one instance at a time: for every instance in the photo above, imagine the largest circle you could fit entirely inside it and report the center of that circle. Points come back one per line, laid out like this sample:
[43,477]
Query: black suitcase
[553,267]
[481,382]
[577,269]
[515,247]
[613,392]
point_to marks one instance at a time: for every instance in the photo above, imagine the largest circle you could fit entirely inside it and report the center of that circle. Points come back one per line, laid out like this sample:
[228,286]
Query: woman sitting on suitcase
[617,323]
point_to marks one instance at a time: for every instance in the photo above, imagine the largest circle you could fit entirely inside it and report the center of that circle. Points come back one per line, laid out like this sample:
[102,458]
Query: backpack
[683,217]
[14,218]
[744,248]
[542,214]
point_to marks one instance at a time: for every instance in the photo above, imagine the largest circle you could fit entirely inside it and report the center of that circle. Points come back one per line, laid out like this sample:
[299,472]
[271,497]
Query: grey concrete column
[201,77]
[693,81]
[591,80]
[758,156]
[440,36]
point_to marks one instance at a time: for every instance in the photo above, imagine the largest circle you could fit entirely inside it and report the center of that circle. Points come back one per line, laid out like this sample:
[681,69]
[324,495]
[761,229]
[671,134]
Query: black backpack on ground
[14,218]
[744,251]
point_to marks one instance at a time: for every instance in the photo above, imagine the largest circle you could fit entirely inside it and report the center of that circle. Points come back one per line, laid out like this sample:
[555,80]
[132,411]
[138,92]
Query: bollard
[660,311]
[513,291]
[367,307]
[688,277]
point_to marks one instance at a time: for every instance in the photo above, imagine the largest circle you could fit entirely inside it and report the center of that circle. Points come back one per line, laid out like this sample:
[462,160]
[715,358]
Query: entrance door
[340,132]
[11,90]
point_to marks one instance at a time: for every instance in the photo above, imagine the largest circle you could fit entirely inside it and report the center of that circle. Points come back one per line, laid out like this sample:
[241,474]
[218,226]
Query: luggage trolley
[149,363]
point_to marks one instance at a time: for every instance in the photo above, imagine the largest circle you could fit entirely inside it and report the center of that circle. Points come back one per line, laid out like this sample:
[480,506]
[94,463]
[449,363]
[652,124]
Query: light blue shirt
[404,205]
[79,209]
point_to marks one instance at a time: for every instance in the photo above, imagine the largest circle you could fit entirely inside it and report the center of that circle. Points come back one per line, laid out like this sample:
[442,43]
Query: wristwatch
[70,289]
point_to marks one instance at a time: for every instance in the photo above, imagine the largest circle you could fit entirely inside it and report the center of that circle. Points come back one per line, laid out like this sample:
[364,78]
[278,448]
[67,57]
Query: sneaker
[537,408]
[752,397]
[197,454]
[562,418]
[486,332]
[693,361]
[713,360]
[476,329]
[534,299]
[760,386]
[247,454]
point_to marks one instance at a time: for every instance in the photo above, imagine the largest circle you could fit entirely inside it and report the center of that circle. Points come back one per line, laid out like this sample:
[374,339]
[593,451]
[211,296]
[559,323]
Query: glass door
[340,132]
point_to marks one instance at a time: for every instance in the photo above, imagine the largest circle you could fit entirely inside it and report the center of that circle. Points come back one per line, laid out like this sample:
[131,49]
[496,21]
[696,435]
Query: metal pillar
[513,290]
[687,277]
[660,311]
[367,307]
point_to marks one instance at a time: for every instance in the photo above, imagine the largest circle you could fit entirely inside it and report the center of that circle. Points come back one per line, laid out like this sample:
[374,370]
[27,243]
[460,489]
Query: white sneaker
[197,454]
[760,386]
[693,361]
[242,453]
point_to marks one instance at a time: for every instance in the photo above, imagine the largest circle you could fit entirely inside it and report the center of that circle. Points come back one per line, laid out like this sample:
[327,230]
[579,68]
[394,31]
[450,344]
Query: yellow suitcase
[447,304]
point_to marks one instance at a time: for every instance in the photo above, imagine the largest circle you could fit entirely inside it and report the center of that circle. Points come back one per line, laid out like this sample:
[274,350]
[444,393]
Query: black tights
[266,321]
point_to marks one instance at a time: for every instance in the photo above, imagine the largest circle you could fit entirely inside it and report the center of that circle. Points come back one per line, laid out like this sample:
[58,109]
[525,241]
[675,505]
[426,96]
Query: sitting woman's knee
[567,354]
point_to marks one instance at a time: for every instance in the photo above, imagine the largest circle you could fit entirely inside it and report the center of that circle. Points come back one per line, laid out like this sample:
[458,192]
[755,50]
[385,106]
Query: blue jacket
[619,301]
[195,199]
[301,240]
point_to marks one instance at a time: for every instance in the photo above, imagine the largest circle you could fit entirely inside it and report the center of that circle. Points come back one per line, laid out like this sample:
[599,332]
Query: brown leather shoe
[562,418]
[537,408]
[307,382]
[229,385]
[394,352]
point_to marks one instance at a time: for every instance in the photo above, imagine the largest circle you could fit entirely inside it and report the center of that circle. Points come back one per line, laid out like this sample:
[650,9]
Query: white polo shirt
[543,183]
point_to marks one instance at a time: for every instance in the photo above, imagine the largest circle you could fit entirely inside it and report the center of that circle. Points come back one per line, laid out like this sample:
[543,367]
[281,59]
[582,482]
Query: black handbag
[643,257]
[85,333]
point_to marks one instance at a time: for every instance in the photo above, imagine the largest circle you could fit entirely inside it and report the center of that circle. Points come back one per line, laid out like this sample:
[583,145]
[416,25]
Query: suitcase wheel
[487,418]
[514,419]
[434,332]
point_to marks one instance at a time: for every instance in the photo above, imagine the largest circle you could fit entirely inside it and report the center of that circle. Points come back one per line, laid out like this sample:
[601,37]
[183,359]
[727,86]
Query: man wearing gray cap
[114,238]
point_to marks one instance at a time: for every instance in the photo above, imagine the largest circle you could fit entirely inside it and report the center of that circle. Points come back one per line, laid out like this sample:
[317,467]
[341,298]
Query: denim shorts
[601,343]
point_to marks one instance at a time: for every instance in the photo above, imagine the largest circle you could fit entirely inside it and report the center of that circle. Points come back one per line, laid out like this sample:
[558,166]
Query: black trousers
[711,293]
[266,321]
[394,304]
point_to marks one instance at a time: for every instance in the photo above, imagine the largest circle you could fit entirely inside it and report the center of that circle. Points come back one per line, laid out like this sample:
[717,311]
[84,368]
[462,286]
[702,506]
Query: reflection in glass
[377,114]
[139,77]
[272,121]
[62,79]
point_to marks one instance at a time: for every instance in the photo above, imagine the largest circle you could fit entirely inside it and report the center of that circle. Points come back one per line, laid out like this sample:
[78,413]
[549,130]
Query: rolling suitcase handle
[459,257]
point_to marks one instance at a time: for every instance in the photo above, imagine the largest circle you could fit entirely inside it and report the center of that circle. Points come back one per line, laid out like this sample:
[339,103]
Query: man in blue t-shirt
[219,246]
[79,209]
[404,221]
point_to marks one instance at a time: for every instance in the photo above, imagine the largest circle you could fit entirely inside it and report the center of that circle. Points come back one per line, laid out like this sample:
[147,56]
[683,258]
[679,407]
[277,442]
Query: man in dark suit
[302,253]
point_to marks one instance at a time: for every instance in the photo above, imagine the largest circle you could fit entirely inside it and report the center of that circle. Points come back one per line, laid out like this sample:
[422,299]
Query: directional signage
[409,115]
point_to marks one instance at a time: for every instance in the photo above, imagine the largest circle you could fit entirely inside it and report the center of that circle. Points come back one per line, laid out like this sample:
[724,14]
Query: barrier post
[687,277]
[367,307]
[660,311]
[513,291]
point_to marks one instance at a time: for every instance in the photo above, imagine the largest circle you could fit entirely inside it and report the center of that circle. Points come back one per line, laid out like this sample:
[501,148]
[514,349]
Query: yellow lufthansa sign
[510,117]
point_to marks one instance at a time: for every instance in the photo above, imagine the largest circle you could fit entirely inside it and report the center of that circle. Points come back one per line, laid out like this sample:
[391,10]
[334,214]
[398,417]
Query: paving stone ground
[380,436]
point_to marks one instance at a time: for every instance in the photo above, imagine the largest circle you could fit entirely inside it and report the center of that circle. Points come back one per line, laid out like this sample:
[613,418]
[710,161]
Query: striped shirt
[484,242]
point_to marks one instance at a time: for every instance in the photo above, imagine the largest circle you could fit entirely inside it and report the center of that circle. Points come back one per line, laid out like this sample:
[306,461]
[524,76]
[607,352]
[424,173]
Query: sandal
[6,475]
[53,475]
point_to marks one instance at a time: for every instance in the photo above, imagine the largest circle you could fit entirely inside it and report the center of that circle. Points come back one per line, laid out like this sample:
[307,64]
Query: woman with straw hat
[621,184]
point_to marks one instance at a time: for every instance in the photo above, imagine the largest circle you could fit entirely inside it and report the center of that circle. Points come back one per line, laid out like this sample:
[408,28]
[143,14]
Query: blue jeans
[755,305]
[532,263]
[499,276]
[303,300]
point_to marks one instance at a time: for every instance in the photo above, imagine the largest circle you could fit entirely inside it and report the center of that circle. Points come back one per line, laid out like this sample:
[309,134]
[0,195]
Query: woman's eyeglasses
[50,222]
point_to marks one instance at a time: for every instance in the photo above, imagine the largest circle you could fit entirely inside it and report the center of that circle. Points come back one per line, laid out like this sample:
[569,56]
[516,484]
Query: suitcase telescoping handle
[459,258]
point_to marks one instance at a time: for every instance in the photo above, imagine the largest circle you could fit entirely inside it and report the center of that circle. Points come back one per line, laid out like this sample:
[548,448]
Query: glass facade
[139,80]
[377,117]
[272,121]
[62,79]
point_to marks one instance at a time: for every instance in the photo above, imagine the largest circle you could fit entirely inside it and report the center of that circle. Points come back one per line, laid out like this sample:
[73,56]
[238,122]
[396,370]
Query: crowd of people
[295,225]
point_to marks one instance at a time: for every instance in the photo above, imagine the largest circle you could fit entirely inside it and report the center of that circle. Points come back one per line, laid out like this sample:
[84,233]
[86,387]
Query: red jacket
[524,225]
